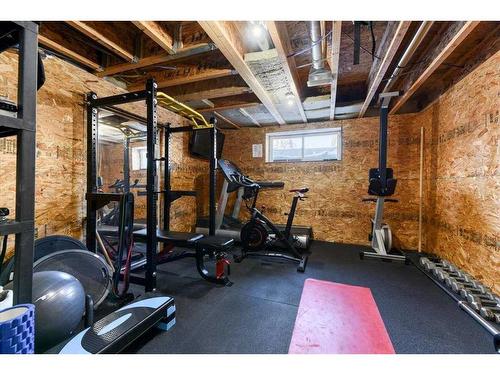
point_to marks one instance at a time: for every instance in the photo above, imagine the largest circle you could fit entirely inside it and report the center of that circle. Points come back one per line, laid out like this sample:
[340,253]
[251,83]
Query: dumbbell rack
[23,127]
[473,297]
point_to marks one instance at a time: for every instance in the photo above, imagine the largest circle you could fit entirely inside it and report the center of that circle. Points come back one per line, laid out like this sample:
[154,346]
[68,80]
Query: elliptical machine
[382,185]
[260,236]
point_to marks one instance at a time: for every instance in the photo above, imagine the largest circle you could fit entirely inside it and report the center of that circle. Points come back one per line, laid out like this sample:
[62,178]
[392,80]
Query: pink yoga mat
[338,319]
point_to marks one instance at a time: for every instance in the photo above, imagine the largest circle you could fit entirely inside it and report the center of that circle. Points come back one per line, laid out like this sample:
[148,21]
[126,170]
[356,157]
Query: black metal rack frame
[24,128]
[149,95]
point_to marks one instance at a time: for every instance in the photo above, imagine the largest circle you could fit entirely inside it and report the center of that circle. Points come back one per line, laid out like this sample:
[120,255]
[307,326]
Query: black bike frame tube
[382,147]
[291,216]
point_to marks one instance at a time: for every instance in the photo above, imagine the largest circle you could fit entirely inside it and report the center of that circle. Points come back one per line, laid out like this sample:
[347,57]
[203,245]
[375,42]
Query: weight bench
[213,246]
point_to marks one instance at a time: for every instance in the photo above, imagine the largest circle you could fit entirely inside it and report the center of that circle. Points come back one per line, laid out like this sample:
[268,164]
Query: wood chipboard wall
[61,150]
[462,173]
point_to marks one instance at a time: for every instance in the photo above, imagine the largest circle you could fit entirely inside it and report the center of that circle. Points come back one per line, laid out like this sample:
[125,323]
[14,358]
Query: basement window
[139,159]
[304,145]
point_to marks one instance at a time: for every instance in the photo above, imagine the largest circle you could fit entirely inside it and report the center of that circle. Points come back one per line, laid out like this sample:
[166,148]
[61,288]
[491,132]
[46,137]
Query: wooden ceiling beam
[245,113]
[225,119]
[225,37]
[380,67]
[281,41]
[153,30]
[334,64]
[205,75]
[101,39]
[212,93]
[56,47]
[183,53]
[228,106]
[448,49]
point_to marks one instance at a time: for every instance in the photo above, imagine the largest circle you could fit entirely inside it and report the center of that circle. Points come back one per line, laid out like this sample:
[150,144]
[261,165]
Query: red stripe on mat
[338,319]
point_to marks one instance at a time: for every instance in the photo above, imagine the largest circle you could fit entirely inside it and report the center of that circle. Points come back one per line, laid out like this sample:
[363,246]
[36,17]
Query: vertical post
[126,163]
[166,178]
[421,190]
[212,178]
[92,143]
[151,186]
[25,165]
[382,147]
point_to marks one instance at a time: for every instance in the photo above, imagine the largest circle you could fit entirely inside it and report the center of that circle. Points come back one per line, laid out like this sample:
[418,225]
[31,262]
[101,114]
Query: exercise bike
[260,236]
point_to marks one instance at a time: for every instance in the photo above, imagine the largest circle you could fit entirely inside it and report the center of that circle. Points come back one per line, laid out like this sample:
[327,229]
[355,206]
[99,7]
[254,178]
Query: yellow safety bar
[183,110]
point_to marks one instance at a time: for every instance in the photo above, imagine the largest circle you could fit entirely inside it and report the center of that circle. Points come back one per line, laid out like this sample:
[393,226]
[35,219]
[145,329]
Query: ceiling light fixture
[290,99]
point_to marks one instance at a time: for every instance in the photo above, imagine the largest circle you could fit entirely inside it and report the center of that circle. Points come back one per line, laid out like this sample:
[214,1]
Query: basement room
[213,183]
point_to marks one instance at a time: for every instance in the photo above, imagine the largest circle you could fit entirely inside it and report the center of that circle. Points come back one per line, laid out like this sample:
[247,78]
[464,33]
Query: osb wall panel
[334,206]
[61,150]
[462,174]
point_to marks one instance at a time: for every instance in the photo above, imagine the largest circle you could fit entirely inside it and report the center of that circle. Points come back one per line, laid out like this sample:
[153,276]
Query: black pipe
[382,147]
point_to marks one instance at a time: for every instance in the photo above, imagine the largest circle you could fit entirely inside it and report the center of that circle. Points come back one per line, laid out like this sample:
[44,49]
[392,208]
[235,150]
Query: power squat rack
[152,234]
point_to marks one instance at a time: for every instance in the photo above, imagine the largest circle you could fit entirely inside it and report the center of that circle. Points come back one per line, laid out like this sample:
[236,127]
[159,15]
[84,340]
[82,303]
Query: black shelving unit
[23,127]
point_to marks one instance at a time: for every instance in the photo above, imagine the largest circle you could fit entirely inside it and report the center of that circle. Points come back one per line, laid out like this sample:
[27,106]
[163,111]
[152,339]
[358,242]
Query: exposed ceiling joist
[225,119]
[205,75]
[46,42]
[229,106]
[458,38]
[157,33]
[281,41]
[229,43]
[334,64]
[101,39]
[245,113]
[158,59]
[212,93]
[380,67]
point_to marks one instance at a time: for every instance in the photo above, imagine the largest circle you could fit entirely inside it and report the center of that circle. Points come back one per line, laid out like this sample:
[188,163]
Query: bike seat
[301,190]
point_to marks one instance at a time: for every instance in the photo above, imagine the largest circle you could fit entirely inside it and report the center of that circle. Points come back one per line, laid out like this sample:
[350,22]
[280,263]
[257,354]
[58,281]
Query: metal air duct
[318,75]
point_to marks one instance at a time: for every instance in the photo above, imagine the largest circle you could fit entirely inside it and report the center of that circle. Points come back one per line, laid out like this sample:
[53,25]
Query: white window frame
[302,133]
[135,149]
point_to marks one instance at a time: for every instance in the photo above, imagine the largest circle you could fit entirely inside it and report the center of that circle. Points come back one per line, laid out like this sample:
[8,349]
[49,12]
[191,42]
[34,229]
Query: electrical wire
[374,43]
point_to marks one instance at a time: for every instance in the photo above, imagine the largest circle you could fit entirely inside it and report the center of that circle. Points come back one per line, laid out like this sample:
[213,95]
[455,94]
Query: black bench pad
[215,242]
[176,238]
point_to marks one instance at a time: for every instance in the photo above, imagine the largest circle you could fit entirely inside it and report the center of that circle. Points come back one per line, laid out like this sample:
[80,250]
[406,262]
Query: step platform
[116,331]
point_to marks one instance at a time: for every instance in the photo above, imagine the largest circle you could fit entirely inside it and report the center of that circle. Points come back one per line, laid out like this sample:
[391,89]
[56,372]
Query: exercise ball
[59,300]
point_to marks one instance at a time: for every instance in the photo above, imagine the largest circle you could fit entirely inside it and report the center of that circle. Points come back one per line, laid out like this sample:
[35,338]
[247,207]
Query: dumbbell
[431,266]
[477,302]
[479,291]
[458,285]
[463,279]
[443,275]
[424,261]
[490,313]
